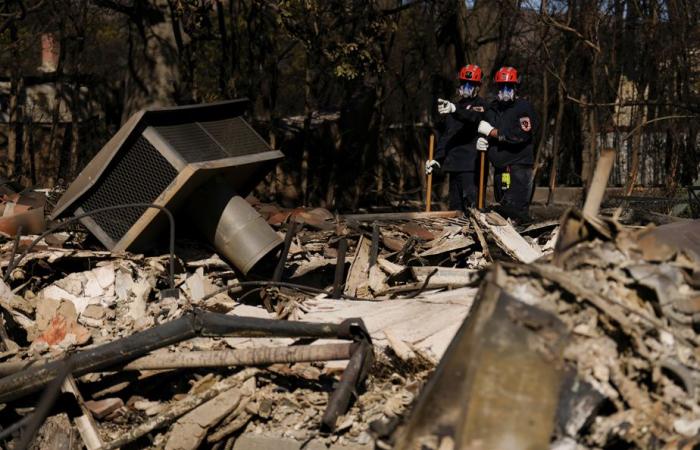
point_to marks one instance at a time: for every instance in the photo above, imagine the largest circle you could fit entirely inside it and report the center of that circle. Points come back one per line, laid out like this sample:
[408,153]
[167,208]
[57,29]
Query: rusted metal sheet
[672,237]
[497,387]
[25,211]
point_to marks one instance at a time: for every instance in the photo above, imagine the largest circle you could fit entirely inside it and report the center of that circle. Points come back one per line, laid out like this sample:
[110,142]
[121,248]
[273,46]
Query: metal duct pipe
[235,229]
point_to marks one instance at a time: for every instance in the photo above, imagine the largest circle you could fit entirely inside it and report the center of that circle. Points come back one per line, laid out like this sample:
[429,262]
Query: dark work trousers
[462,190]
[514,199]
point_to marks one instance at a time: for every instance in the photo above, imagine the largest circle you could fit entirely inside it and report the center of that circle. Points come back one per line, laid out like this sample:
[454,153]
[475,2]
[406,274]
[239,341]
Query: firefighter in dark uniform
[510,125]
[456,149]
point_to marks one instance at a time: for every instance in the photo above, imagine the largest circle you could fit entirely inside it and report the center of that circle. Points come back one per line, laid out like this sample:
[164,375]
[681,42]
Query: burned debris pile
[408,276]
[265,327]
[624,296]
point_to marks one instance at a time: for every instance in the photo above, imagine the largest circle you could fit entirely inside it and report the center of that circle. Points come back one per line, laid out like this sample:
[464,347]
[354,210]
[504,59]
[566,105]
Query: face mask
[506,93]
[468,90]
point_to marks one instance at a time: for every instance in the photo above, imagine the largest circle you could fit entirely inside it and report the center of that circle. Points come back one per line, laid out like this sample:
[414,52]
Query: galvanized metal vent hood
[164,155]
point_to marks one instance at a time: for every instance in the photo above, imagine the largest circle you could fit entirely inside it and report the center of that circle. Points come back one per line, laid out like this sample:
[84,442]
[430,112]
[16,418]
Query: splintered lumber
[599,182]
[445,276]
[449,245]
[85,423]
[181,408]
[356,281]
[480,236]
[402,216]
[507,238]
[401,349]
[189,431]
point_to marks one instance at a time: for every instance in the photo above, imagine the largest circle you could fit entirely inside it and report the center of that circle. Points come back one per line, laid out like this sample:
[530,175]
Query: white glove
[482,144]
[430,165]
[446,107]
[485,128]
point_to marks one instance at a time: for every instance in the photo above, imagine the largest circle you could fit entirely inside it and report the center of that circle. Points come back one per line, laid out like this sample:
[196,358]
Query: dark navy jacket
[456,148]
[517,125]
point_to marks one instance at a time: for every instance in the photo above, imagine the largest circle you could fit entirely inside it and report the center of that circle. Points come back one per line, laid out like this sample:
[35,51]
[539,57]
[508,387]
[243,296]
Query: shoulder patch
[478,108]
[525,124]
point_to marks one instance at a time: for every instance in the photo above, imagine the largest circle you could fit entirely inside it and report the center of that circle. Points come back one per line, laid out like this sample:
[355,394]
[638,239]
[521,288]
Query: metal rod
[196,323]
[374,250]
[258,356]
[98,358]
[353,376]
[48,398]
[13,263]
[216,324]
[279,269]
[340,268]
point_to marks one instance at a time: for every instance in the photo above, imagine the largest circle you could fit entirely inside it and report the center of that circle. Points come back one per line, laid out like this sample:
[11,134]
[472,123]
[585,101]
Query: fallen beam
[257,356]
[193,324]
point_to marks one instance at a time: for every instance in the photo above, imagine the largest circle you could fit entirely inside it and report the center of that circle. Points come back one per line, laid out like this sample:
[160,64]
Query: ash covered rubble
[393,330]
[626,298]
[412,277]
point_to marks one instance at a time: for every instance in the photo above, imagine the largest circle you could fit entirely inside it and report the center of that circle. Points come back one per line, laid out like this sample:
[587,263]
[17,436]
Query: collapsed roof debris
[625,300]
[404,330]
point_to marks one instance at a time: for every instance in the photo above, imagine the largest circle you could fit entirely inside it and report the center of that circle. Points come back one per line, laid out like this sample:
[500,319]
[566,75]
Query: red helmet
[470,72]
[506,75]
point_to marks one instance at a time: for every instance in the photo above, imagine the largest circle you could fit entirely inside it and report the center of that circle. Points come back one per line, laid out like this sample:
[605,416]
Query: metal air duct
[197,159]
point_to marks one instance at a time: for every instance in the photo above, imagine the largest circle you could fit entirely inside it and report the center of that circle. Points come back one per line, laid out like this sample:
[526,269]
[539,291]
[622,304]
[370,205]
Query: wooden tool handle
[429,184]
[482,179]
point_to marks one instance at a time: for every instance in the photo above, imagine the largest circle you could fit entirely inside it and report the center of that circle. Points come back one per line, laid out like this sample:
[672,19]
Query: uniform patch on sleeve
[478,108]
[525,124]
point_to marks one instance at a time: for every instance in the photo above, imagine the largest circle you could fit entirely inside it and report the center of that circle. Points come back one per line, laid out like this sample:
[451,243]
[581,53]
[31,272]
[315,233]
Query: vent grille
[192,142]
[235,136]
[139,176]
[209,141]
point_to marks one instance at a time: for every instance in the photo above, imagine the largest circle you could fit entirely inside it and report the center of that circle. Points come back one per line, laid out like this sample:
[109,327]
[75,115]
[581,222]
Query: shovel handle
[429,184]
[482,181]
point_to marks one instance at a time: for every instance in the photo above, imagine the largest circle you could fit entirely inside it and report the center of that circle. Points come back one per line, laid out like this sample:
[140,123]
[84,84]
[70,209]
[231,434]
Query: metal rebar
[14,262]
[353,376]
[279,269]
[374,250]
[98,358]
[48,398]
[195,323]
[339,268]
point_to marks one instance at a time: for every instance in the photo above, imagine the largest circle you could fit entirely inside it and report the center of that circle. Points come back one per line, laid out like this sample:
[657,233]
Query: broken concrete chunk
[55,292]
[94,312]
